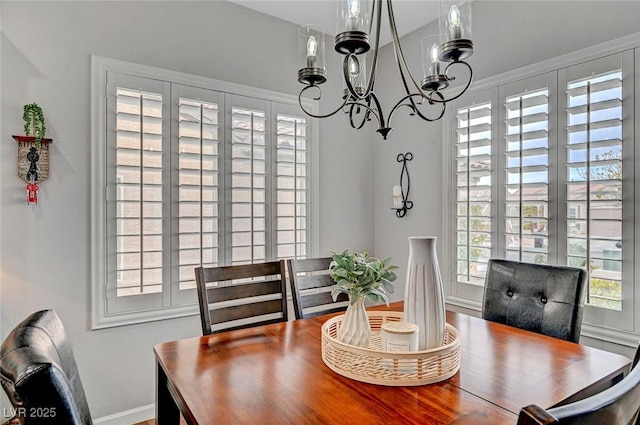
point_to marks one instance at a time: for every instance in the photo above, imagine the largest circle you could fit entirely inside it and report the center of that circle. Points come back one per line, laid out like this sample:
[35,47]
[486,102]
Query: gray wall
[45,248]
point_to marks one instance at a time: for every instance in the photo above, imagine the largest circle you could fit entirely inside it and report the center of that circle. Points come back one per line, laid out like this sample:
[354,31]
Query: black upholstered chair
[617,405]
[536,297]
[241,296]
[310,287]
[39,373]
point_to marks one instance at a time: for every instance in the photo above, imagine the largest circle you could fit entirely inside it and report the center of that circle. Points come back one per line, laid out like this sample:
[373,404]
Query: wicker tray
[375,366]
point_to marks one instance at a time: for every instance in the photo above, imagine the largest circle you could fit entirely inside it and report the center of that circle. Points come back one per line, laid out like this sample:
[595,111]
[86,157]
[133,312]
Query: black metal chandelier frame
[360,104]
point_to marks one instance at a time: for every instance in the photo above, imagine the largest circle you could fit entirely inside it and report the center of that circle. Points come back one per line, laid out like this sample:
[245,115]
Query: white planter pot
[355,329]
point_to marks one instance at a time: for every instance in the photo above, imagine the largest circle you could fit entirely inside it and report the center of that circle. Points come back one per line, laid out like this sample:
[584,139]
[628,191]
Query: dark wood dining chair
[310,285]
[617,405]
[536,297]
[241,296]
[39,373]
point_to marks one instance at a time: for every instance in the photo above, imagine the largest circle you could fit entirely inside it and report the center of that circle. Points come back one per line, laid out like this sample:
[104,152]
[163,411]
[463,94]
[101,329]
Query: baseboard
[128,417]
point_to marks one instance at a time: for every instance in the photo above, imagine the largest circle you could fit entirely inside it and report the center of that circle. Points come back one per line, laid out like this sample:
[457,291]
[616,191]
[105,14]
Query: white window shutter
[189,174]
[473,191]
[292,185]
[137,146]
[248,230]
[198,186]
[594,183]
[526,176]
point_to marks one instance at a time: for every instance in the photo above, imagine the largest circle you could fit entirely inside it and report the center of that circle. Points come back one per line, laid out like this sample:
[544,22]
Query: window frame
[626,330]
[100,66]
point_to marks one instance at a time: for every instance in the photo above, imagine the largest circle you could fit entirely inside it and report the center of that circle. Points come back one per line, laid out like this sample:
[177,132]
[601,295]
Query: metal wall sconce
[401,203]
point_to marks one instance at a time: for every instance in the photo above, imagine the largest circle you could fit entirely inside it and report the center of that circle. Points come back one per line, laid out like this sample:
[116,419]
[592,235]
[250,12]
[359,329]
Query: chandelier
[356,30]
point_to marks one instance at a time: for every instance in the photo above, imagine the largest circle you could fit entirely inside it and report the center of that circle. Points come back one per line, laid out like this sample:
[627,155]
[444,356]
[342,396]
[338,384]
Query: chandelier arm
[409,96]
[373,12]
[370,110]
[414,109]
[442,99]
[351,113]
[397,48]
[380,115]
[424,117]
[402,68]
[376,44]
[318,98]
[348,106]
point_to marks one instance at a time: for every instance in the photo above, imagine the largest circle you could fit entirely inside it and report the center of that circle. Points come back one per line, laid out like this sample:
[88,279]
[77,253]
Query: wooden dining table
[274,374]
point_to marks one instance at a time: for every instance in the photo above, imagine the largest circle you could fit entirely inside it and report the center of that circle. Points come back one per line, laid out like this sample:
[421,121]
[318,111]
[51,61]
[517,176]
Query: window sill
[143,317]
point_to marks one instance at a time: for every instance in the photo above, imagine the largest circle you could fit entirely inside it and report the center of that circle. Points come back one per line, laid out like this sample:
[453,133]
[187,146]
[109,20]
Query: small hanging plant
[34,122]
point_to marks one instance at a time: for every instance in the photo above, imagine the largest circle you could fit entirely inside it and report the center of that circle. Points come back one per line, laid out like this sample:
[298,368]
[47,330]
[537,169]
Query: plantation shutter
[137,146]
[594,179]
[526,173]
[186,172]
[198,181]
[249,156]
[292,181]
[473,194]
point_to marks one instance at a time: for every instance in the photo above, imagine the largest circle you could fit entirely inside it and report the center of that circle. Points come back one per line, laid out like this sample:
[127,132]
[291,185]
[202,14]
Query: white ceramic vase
[355,329]
[423,293]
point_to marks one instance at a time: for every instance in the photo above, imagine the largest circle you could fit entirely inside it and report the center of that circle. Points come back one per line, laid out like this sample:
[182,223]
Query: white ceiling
[410,14]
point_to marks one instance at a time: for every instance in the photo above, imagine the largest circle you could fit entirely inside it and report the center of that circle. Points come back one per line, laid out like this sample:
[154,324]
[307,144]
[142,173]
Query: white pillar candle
[397,197]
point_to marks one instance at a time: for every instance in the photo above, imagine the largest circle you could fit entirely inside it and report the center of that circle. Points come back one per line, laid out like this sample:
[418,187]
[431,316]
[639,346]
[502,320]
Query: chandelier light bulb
[435,65]
[354,14]
[354,8]
[312,50]
[433,52]
[354,67]
[455,31]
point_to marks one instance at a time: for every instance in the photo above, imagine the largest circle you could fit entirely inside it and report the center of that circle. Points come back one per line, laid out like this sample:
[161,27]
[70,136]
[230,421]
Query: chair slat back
[231,305]
[228,314]
[310,285]
[246,290]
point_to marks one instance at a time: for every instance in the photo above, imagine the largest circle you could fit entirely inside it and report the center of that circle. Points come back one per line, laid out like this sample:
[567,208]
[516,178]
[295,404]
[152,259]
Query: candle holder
[404,204]
[311,55]
[434,78]
[455,26]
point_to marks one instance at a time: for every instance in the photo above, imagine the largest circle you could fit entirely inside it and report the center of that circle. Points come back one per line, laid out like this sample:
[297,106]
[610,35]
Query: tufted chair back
[39,373]
[536,297]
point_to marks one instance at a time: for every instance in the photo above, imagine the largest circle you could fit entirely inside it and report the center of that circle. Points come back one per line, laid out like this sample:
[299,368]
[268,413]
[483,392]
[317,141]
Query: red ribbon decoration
[32,193]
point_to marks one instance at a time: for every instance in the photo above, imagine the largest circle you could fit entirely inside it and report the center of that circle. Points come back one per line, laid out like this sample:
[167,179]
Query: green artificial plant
[34,121]
[359,275]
